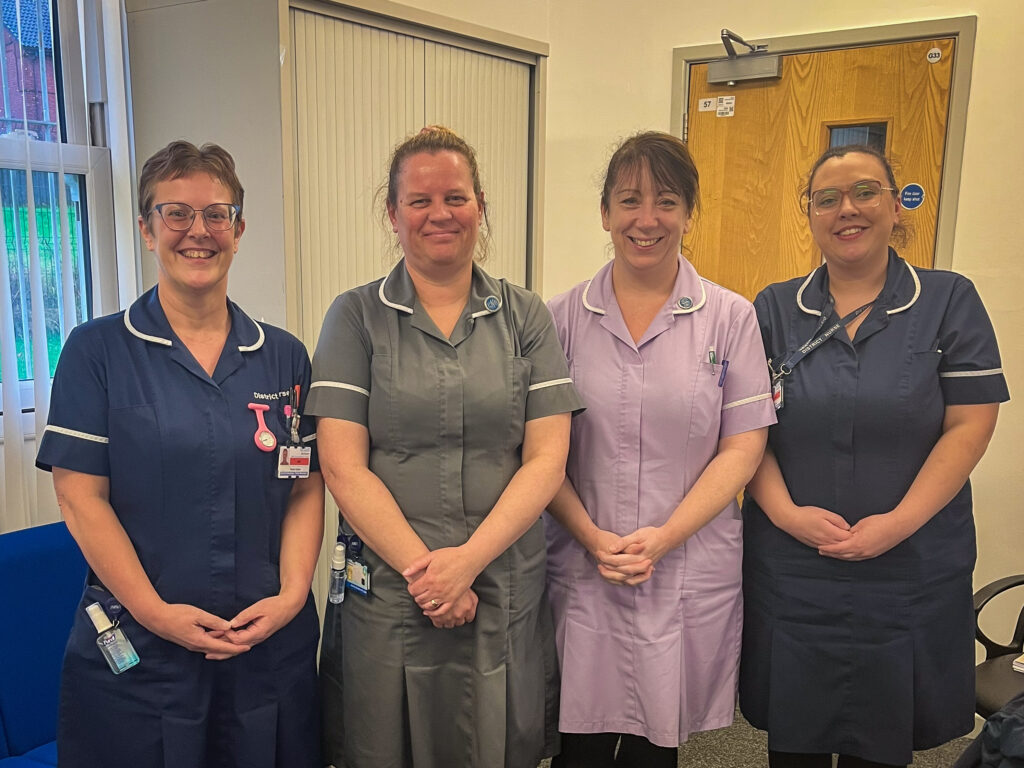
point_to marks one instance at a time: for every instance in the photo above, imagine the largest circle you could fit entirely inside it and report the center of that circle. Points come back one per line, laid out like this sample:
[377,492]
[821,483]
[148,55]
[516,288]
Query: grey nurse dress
[872,658]
[446,418]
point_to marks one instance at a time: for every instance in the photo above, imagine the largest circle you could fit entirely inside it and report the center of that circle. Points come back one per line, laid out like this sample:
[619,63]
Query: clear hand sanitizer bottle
[116,648]
[338,575]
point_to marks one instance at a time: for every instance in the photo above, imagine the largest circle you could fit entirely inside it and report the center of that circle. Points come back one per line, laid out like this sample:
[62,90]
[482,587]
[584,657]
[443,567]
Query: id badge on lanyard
[294,457]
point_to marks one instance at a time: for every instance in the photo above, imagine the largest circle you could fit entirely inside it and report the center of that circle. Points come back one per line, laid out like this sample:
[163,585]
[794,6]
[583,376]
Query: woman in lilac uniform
[644,549]
[859,537]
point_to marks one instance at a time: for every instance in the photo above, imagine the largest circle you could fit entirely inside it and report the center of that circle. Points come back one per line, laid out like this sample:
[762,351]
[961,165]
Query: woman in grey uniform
[443,404]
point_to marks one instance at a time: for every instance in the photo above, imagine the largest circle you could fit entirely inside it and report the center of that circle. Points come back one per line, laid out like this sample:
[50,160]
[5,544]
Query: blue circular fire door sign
[912,196]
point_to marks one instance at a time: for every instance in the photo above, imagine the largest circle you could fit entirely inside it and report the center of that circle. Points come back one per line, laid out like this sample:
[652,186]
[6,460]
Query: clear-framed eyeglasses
[863,194]
[179,216]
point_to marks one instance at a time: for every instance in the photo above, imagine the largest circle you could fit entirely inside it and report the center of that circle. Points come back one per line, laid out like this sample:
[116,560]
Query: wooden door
[752,229]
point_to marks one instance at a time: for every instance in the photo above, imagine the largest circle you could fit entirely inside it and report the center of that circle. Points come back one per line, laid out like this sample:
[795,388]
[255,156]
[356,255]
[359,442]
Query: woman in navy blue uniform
[859,533]
[165,433]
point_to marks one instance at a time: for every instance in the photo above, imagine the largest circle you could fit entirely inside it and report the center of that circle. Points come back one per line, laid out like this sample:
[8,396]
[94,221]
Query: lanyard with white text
[817,340]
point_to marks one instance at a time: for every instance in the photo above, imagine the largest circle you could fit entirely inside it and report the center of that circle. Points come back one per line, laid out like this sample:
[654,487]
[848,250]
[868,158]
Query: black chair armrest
[981,598]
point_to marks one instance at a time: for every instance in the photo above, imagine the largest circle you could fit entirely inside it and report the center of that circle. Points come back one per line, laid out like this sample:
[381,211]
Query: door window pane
[869,134]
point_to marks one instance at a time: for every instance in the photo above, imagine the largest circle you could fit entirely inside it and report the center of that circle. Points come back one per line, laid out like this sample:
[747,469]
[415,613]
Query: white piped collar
[803,287]
[902,287]
[398,292]
[688,293]
[586,300]
[145,319]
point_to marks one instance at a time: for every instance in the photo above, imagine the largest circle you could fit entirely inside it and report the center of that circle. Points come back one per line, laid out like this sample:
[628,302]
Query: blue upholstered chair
[41,577]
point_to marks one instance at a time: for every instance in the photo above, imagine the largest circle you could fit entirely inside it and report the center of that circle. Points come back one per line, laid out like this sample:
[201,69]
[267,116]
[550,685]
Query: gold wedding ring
[434,604]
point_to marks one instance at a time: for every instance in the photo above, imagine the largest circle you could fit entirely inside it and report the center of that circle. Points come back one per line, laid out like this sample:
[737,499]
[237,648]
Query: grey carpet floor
[742,746]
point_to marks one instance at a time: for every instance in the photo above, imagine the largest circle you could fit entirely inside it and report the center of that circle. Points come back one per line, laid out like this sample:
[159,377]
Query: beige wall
[610,76]
[232,96]
[610,73]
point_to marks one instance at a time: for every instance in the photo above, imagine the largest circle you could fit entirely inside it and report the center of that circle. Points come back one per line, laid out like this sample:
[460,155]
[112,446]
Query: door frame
[962,28]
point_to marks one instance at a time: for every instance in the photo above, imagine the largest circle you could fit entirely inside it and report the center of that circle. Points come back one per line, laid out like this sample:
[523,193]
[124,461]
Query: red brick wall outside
[29,86]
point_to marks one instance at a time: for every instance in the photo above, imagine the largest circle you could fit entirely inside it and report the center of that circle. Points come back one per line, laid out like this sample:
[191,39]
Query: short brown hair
[665,156]
[431,140]
[183,158]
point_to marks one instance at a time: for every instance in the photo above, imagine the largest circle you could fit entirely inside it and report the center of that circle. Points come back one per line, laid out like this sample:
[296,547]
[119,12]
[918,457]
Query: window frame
[74,155]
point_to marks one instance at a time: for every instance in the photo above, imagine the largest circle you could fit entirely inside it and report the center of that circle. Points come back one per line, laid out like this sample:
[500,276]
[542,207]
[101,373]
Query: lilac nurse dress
[659,660]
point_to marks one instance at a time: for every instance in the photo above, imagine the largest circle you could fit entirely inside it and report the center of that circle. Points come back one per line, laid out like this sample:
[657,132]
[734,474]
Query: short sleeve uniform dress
[446,418]
[659,660]
[203,507]
[872,658]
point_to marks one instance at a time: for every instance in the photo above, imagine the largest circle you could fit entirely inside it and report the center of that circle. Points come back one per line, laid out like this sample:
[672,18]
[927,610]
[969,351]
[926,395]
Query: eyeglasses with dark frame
[863,194]
[179,216]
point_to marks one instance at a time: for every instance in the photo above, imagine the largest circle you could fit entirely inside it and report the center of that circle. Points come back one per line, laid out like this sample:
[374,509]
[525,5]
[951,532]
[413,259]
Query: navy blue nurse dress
[203,508]
[872,658]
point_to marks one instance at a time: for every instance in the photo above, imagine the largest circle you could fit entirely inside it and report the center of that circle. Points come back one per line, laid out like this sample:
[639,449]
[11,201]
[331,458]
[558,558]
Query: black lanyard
[817,340]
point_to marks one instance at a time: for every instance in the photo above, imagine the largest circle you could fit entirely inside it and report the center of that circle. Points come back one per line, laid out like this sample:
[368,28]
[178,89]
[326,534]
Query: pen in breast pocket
[712,358]
[725,370]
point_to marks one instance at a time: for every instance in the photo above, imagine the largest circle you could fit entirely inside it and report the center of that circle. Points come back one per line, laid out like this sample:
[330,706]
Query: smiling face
[852,237]
[195,260]
[436,214]
[646,223]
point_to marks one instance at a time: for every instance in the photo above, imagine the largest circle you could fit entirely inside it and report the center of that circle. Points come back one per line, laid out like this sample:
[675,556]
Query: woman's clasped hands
[216,638]
[629,560]
[440,583]
[832,536]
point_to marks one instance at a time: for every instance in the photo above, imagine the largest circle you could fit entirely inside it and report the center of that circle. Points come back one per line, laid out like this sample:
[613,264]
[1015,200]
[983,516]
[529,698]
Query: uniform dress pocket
[705,400]
[921,401]
[922,375]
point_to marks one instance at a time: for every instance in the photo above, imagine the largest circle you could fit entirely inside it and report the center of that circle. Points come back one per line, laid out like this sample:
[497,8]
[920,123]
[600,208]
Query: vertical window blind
[359,90]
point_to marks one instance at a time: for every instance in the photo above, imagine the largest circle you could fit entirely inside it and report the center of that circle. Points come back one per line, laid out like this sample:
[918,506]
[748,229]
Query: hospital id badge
[357,575]
[777,393]
[293,462]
